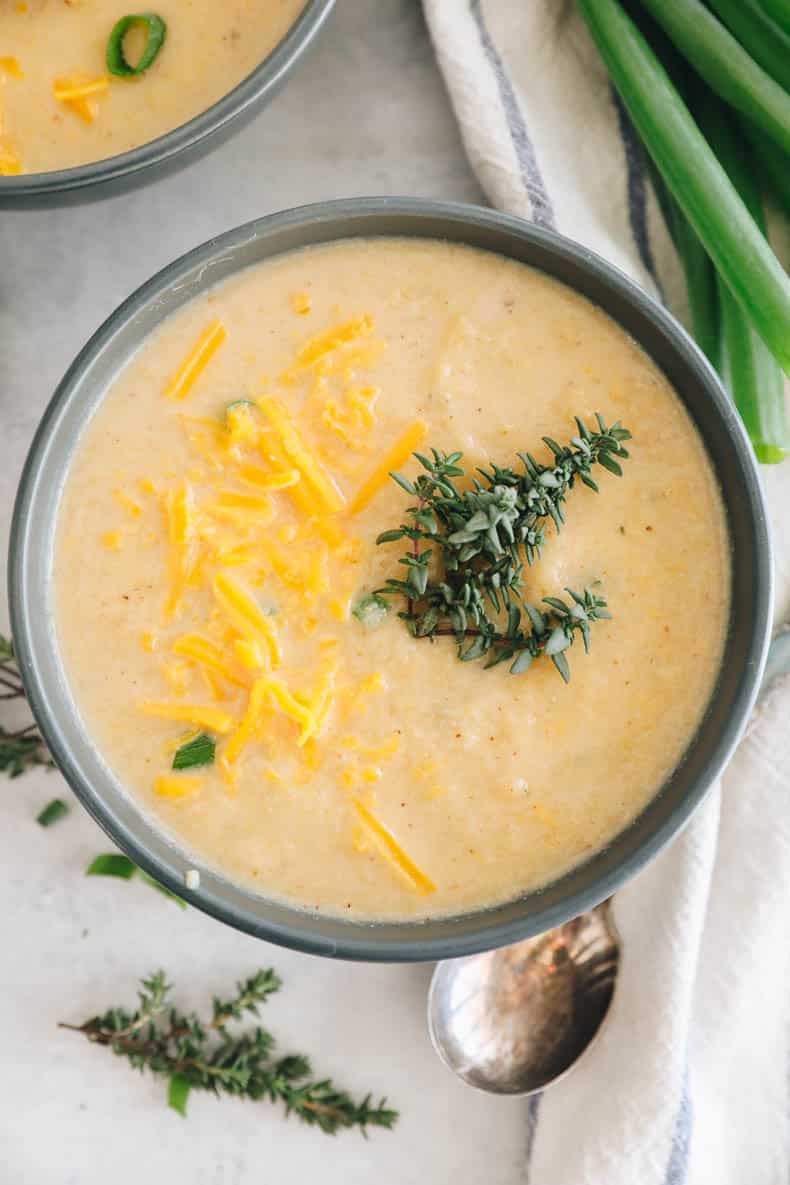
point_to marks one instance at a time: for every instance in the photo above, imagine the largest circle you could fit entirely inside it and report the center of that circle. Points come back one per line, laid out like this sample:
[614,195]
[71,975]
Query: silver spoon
[513,1021]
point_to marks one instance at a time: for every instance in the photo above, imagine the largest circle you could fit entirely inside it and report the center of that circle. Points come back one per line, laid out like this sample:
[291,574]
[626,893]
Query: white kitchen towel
[688,1084]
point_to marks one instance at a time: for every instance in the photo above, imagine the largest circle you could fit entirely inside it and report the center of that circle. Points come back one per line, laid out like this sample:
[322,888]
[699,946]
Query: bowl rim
[252,90]
[364,940]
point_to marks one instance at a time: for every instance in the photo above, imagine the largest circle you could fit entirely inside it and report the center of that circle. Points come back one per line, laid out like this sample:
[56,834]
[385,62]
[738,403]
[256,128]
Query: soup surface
[49,46]
[208,563]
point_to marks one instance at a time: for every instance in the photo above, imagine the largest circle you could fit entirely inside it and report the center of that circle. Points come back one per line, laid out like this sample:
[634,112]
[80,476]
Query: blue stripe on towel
[533,1106]
[542,209]
[678,1167]
[637,188]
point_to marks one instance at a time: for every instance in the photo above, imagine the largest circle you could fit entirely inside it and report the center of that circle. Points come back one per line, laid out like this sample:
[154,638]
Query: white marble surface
[366,113]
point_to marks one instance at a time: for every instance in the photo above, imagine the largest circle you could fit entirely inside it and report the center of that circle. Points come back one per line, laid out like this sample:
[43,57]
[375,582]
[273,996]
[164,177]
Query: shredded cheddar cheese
[350,777]
[258,506]
[134,509]
[390,848]
[207,655]
[301,303]
[78,95]
[301,456]
[176,675]
[112,540]
[317,348]
[250,654]
[385,750]
[177,785]
[246,615]
[12,67]
[291,706]
[10,163]
[178,505]
[68,89]
[247,728]
[229,504]
[282,480]
[397,455]
[204,715]
[196,361]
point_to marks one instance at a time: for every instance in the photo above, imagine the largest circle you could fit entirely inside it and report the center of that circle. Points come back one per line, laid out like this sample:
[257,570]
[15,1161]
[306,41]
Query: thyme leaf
[202,1054]
[469,583]
[22,748]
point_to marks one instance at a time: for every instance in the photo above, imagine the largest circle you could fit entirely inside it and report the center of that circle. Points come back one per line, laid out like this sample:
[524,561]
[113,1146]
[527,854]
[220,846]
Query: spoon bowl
[514,1020]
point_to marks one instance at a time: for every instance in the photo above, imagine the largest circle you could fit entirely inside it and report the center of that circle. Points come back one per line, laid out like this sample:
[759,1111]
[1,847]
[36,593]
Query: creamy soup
[209,562]
[60,106]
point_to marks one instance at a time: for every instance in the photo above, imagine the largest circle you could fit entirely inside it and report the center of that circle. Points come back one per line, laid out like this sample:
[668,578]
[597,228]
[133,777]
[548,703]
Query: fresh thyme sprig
[23,748]
[480,539]
[197,1054]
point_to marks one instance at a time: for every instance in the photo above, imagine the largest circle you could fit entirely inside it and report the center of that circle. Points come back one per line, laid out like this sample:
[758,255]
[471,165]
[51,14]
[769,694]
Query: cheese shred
[196,361]
[246,615]
[390,847]
[214,719]
[300,455]
[398,454]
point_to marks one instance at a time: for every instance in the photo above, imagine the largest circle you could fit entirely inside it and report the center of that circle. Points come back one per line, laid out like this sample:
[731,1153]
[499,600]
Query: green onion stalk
[693,175]
[748,367]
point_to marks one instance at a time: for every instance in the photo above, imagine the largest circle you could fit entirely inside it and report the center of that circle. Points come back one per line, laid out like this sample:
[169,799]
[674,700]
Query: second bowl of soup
[396,579]
[92,95]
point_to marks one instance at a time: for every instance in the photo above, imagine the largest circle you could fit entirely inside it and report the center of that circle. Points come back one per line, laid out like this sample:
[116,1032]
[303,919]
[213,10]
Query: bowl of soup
[355,713]
[95,97]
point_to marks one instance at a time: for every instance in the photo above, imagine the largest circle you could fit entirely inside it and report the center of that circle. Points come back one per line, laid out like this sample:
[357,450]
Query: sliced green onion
[52,812]
[724,64]
[237,403]
[371,611]
[694,177]
[112,864]
[199,751]
[748,368]
[121,867]
[156,31]
[178,1093]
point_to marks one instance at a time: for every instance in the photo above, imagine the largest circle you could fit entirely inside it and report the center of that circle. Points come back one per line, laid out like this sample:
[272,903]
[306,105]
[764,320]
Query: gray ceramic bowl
[167,153]
[31,568]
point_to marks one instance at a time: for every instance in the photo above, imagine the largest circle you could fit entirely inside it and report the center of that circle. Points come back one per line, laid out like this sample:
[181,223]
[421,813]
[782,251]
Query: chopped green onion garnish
[156,30]
[112,864]
[239,403]
[178,1093]
[371,611]
[199,751]
[52,812]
